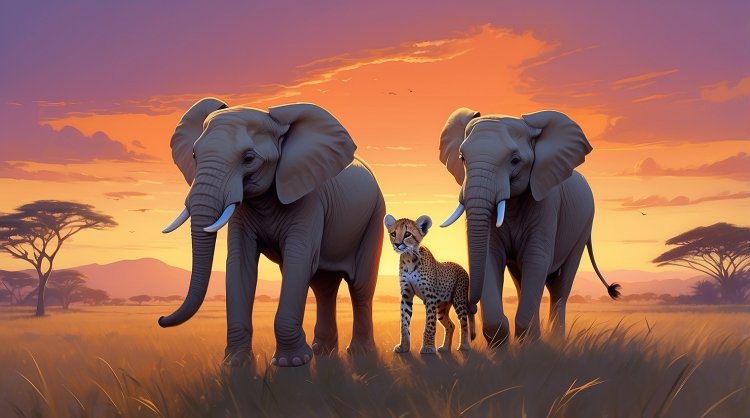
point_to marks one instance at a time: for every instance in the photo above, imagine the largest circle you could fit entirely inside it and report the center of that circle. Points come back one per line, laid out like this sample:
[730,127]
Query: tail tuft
[614,290]
[472,327]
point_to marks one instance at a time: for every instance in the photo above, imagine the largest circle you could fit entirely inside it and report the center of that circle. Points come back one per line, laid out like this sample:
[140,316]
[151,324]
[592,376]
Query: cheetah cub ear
[389,220]
[424,223]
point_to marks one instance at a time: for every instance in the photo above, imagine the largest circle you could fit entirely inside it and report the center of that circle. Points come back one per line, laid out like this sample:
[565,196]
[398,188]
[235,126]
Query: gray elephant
[288,184]
[520,171]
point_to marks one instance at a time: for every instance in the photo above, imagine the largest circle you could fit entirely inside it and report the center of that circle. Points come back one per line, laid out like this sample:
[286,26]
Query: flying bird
[392,93]
[642,213]
[411,91]
[143,210]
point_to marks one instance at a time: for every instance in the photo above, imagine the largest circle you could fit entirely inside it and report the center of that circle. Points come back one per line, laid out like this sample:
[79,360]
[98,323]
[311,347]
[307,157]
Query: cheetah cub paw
[427,350]
[401,348]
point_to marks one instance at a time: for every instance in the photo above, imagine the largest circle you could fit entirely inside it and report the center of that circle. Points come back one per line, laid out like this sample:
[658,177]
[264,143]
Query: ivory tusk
[456,214]
[500,213]
[223,219]
[181,218]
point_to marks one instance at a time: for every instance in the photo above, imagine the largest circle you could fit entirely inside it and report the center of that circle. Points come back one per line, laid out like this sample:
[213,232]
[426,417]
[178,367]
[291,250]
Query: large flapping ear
[560,147]
[315,148]
[451,137]
[187,132]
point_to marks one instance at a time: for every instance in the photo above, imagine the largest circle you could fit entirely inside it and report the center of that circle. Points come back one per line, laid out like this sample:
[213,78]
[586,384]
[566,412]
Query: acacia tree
[140,298]
[91,296]
[722,251]
[68,285]
[14,282]
[36,231]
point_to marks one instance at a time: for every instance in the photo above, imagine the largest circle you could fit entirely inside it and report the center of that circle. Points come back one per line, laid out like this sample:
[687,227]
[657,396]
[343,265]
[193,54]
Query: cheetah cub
[439,285]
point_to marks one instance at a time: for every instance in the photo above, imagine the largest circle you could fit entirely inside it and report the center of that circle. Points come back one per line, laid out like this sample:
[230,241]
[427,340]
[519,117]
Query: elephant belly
[576,215]
[353,201]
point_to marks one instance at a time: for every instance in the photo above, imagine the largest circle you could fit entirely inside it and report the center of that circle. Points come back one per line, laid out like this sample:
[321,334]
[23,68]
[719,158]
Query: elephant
[521,170]
[288,184]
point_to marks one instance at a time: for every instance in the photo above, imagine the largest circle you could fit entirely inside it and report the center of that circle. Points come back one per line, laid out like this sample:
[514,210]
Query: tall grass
[115,361]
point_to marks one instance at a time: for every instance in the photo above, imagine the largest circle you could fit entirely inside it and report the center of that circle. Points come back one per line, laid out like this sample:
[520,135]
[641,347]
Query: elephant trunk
[204,209]
[480,196]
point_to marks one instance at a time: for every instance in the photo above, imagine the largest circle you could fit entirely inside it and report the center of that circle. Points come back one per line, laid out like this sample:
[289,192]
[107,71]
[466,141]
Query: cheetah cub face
[406,234]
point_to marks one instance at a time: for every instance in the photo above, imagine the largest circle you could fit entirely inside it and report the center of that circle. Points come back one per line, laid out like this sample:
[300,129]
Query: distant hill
[126,278]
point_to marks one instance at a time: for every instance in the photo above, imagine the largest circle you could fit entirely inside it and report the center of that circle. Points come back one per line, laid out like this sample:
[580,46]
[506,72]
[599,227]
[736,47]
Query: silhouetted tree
[68,285]
[14,282]
[91,296]
[722,251]
[36,231]
[115,301]
[706,292]
[140,298]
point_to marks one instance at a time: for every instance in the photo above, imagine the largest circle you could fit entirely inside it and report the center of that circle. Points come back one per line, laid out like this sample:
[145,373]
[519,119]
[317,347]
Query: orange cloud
[124,195]
[639,80]
[17,172]
[659,201]
[737,166]
[723,91]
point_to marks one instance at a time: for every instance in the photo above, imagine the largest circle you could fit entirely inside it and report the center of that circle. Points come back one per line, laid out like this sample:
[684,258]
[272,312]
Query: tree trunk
[40,298]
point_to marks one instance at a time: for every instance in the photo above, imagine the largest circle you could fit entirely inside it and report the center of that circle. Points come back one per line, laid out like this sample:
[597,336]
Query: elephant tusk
[456,214]
[223,219]
[500,213]
[181,218]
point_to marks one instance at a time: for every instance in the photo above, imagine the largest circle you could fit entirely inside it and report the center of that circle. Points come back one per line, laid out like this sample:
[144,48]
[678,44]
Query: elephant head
[498,157]
[229,154]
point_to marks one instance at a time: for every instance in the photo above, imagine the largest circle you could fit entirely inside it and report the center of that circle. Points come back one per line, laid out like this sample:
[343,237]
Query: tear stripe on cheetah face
[439,285]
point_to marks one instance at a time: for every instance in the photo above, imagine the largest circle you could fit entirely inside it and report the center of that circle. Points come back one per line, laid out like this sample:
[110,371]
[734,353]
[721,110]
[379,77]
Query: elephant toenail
[296,361]
[274,361]
[307,358]
[283,362]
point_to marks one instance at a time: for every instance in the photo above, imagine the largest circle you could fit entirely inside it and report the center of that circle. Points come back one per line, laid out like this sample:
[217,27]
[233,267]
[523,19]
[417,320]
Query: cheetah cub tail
[472,327]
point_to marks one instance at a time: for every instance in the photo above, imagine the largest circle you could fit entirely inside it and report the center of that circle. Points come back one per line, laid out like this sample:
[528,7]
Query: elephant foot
[401,348]
[238,358]
[322,347]
[427,349]
[361,346]
[445,348]
[292,358]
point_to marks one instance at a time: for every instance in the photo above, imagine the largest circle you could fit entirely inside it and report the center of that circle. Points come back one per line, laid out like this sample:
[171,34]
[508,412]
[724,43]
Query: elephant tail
[472,327]
[614,288]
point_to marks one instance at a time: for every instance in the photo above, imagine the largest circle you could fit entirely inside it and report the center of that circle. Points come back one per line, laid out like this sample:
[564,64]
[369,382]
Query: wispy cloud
[661,201]
[125,195]
[724,91]
[641,78]
[17,172]
[653,97]
[737,166]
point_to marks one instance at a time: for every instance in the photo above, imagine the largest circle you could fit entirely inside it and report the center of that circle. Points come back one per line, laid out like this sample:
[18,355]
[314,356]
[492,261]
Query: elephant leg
[299,263]
[495,326]
[241,281]
[443,315]
[559,289]
[534,274]
[362,285]
[325,285]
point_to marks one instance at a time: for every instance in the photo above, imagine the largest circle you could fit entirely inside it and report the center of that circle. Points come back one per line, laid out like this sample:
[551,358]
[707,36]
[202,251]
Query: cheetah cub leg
[463,318]
[428,341]
[445,321]
[407,300]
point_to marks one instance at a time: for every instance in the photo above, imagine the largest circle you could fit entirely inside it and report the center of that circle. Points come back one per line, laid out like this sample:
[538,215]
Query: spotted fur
[439,285]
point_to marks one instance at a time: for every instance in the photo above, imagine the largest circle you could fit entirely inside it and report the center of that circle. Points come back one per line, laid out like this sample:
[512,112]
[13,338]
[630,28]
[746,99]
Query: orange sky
[394,101]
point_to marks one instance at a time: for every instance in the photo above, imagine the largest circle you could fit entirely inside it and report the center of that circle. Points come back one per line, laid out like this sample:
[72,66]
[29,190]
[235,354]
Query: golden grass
[618,361]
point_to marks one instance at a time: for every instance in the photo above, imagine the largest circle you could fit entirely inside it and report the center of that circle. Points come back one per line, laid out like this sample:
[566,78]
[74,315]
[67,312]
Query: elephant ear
[187,132]
[315,148]
[453,134]
[560,147]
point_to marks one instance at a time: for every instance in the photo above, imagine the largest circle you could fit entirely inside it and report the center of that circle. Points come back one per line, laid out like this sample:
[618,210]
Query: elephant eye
[515,160]
[248,159]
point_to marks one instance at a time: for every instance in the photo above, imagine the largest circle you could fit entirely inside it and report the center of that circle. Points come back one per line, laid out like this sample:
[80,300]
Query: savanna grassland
[619,360]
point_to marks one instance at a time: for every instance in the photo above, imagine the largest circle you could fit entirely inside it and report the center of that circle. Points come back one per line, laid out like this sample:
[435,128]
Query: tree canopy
[721,250]
[13,282]
[36,231]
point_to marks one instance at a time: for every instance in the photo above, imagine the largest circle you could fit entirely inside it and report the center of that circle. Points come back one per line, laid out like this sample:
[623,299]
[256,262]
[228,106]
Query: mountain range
[126,278]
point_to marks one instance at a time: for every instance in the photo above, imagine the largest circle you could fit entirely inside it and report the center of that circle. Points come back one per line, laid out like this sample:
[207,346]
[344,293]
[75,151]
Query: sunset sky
[91,91]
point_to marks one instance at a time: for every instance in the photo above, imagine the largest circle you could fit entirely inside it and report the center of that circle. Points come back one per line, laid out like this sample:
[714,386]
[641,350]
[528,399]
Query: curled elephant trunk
[204,243]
